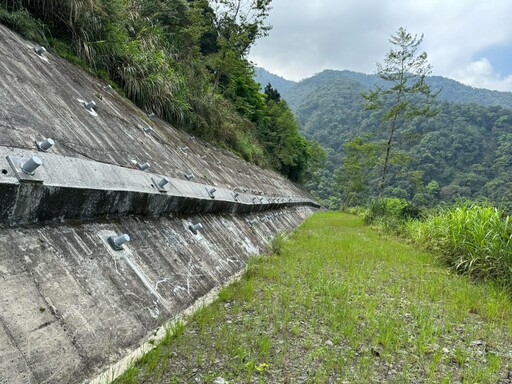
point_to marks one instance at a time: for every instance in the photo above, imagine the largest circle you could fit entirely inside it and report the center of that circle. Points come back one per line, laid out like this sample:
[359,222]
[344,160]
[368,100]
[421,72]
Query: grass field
[337,303]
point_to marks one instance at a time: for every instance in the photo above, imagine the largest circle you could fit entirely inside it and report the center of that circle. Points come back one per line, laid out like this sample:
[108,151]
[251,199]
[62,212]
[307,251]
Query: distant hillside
[459,93]
[465,151]
[280,83]
[327,107]
[451,90]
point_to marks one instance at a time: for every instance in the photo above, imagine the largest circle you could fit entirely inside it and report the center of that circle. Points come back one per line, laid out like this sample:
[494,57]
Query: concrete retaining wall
[42,97]
[71,304]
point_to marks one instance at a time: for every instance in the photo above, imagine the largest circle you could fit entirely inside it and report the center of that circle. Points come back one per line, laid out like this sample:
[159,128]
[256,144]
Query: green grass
[340,304]
[471,238]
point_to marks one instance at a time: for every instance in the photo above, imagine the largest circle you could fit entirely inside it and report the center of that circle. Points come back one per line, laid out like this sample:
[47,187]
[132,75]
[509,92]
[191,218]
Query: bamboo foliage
[67,11]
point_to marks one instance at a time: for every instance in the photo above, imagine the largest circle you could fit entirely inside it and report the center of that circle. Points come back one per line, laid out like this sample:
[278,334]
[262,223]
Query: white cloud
[481,74]
[310,36]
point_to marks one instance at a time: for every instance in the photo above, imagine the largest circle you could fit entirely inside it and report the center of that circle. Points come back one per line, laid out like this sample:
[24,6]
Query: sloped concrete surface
[70,304]
[42,97]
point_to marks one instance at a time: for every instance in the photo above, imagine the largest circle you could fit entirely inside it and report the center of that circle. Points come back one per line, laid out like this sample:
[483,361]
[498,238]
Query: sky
[466,40]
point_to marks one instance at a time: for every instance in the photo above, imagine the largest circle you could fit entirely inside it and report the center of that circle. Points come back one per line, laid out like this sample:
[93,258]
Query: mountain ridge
[450,90]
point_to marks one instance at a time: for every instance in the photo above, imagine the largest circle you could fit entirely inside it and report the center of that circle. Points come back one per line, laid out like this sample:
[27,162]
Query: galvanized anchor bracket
[211,192]
[143,166]
[25,169]
[40,50]
[195,227]
[45,144]
[117,241]
[160,184]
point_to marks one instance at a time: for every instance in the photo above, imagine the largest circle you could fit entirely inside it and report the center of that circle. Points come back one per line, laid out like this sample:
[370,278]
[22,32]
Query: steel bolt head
[31,165]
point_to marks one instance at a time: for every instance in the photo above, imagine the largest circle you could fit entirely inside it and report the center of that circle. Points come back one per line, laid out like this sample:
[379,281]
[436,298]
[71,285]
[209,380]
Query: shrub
[277,244]
[390,213]
[22,22]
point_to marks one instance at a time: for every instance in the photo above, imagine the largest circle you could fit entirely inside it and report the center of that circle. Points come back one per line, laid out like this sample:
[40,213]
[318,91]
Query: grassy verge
[340,304]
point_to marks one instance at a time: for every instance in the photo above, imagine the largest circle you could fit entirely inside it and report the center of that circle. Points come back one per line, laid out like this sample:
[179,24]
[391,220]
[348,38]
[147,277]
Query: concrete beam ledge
[72,188]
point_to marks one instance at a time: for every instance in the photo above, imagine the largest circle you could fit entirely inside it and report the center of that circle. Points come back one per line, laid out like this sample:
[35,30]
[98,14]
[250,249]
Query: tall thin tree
[406,95]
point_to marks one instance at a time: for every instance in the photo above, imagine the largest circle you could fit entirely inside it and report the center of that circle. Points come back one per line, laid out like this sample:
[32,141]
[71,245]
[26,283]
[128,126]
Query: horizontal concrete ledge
[72,188]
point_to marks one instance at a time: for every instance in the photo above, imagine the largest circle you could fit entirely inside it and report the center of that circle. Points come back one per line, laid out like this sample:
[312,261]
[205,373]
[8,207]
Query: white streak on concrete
[126,255]
[160,282]
[141,275]
[117,369]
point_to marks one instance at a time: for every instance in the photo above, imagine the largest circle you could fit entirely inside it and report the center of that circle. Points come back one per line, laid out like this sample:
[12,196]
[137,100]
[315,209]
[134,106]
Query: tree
[241,22]
[354,175]
[408,96]
[237,25]
[280,137]
[272,94]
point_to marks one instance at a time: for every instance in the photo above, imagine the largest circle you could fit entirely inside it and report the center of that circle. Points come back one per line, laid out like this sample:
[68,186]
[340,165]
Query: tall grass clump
[472,238]
[277,244]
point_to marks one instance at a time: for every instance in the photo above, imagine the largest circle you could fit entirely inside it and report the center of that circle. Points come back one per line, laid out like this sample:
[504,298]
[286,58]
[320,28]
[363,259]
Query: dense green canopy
[465,151]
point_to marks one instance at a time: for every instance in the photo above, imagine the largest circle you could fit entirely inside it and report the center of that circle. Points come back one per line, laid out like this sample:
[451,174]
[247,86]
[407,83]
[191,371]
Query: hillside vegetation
[451,90]
[463,152]
[183,60]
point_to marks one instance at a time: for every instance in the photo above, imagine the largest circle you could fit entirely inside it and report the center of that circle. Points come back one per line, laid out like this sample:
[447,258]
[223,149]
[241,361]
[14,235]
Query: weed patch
[340,304]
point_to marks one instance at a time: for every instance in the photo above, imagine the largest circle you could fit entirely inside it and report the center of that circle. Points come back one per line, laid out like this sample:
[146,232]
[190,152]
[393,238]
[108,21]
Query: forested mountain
[184,60]
[264,77]
[451,90]
[464,151]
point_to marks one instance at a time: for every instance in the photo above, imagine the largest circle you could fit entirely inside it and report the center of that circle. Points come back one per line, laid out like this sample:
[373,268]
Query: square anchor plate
[16,162]
[157,186]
